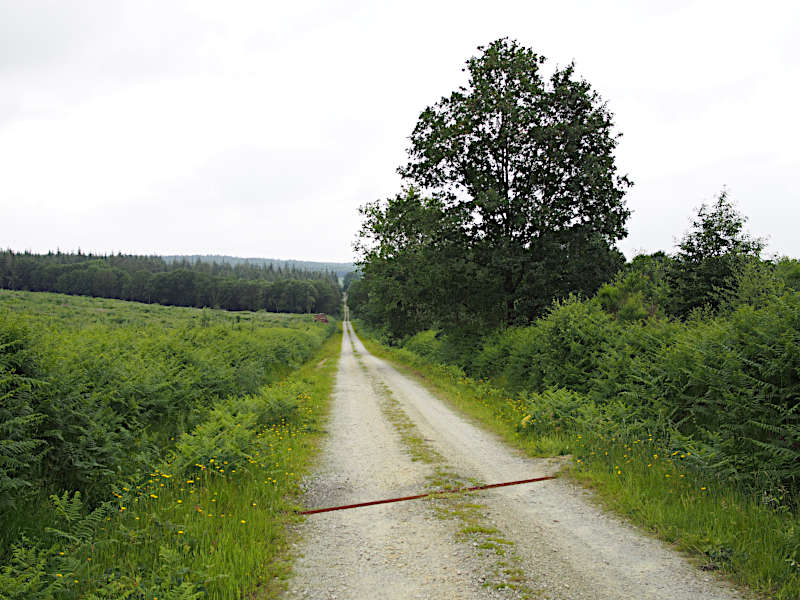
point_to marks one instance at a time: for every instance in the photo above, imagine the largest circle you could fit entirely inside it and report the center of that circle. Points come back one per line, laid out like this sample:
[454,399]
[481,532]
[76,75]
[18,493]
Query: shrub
[788,270]
[228,432]
[560,350]
[20,445]
[553,411]
[427,344]
[733,386]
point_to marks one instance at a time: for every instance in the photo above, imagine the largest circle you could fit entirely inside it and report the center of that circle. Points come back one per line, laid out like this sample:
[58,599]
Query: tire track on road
[387,551]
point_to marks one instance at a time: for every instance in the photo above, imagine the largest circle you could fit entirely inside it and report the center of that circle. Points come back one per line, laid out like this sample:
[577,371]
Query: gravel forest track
[389,437]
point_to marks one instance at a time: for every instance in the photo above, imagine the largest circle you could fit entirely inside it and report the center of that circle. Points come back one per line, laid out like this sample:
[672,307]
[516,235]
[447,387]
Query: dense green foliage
[691,428]
[725,388]
[676,386]
[96,392]
[521,203]
[92,388]
[340,269]
[710,256]
[349,278]
[241,286]
[20,450]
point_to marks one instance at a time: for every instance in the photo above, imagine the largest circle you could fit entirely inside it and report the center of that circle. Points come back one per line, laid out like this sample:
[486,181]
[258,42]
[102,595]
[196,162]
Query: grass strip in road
[754,541]
[505,565]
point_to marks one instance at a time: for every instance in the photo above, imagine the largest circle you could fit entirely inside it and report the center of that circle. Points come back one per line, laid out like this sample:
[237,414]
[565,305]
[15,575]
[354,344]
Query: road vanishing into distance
[390,437]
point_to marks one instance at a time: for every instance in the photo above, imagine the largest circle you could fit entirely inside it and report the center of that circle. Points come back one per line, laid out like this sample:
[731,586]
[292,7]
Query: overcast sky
[258,128]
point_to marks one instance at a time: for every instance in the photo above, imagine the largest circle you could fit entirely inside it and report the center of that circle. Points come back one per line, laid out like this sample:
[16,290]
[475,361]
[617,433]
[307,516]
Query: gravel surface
[566,546]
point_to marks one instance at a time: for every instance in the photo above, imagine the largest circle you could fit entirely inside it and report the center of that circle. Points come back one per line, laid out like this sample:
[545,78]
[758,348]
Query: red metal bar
[416,497]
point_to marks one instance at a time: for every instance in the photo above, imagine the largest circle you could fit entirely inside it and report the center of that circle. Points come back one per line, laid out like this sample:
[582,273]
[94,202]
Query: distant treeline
[242,286]
[341,269]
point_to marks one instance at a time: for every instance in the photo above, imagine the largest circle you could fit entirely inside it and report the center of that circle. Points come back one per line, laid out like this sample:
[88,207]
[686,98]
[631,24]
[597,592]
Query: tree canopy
[710,255]
[243,286]
[513,198]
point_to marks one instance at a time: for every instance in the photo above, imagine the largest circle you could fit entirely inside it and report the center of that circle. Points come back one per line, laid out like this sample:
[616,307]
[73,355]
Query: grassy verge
[210,521]
[754,541]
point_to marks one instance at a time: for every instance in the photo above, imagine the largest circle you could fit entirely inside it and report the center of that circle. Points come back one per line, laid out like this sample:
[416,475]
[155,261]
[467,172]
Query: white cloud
[258,128]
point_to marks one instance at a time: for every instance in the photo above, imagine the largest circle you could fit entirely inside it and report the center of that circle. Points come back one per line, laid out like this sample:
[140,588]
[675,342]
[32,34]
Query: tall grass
[218,507]
[196,427]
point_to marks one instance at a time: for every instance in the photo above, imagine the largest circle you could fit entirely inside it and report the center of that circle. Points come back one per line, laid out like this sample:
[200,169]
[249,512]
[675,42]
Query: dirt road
[390,437]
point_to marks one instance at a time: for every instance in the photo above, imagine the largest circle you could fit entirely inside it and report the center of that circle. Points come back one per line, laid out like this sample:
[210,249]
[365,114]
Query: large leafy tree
[521,167]
[527,158]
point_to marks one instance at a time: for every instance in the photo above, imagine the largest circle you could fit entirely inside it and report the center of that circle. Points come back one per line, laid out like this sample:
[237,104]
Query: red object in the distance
[320,318]
[452,491]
